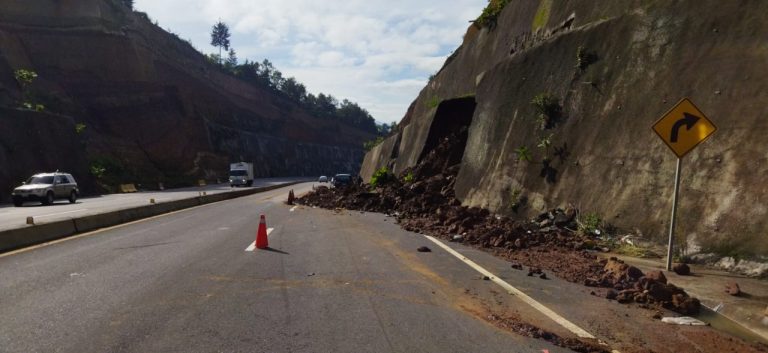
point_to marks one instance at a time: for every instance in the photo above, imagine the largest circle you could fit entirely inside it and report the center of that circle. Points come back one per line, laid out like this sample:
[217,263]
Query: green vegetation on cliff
[491,13]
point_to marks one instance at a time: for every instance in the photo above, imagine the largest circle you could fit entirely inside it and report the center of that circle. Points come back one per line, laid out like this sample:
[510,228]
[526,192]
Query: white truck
[241,174]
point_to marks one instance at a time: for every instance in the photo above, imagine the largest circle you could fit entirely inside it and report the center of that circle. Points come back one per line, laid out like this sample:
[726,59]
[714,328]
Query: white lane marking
[293,208]
[514,291]
[252,247]
[61,213]
[119,226]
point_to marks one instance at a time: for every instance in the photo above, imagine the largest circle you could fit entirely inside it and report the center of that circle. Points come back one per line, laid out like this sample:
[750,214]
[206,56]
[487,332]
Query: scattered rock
[543,276]
[533,271]
[733,289]
[486,278]
[428,205]
[682,269]
[424,249]
[657,276]
[519,243]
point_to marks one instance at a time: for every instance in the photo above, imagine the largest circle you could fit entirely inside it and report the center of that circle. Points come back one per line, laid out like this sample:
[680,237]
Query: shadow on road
[276,250]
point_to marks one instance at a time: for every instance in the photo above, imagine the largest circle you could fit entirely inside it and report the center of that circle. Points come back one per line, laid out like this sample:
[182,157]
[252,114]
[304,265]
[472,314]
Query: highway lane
[183,282]
[14,217]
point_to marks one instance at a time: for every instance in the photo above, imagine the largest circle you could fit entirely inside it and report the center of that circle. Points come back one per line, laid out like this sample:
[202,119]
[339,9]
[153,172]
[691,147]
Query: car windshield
[342,177]
[238,173]
[40,180]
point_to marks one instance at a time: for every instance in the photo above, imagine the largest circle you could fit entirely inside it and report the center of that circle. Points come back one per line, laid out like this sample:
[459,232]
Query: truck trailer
[241,174]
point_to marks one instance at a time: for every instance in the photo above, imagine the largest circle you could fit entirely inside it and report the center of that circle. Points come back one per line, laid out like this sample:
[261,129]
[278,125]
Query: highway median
[39,233]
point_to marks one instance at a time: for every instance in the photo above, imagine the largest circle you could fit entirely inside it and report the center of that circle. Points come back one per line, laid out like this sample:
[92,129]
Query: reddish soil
[427,204]
[514,324]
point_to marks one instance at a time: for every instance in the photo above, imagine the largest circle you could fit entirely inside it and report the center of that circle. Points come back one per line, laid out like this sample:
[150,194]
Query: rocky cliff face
[614,68]
[154,110]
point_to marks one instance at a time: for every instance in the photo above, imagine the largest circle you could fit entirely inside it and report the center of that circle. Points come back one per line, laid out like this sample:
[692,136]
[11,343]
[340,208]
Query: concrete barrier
[30,235]
[127,188]
[35,234]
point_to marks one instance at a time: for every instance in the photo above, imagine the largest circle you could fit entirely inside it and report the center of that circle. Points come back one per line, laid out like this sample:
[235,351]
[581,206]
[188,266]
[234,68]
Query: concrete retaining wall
[40,233]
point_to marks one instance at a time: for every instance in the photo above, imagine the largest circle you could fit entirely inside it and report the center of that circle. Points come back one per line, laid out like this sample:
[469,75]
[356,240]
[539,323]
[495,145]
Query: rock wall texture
[639,58]
[153,107]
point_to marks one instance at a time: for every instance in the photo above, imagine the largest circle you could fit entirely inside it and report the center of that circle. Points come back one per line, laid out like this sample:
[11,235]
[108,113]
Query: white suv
[45,188]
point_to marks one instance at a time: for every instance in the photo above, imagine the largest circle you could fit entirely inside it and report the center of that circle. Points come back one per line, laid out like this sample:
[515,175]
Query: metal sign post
[674,215]
[682,128]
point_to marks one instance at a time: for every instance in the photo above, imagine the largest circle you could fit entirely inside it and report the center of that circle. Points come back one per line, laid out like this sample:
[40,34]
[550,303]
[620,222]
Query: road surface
[332,281]
[14,217]
[184,283]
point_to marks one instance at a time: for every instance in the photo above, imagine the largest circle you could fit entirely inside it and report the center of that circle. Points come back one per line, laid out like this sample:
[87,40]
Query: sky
[378,53]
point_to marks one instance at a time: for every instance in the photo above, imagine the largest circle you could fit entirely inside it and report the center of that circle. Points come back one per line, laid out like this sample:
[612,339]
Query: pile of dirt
[514,324]
[427,204]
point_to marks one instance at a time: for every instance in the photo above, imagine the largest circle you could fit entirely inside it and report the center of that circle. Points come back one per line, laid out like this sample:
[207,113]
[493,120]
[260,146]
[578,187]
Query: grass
[549,109]
[408,178]
[635,251]
[542,15]
[589,223]
[433,102]
[381,176]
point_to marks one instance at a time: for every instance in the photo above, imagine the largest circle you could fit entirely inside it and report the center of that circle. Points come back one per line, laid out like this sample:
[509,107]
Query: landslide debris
[427,204]
[514,324]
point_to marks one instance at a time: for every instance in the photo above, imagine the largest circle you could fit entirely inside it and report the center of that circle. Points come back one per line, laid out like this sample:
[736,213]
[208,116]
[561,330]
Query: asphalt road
[183,282]
[14,217]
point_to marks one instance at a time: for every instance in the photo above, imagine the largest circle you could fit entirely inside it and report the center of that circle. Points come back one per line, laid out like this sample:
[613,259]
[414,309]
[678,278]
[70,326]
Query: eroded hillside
[150,108]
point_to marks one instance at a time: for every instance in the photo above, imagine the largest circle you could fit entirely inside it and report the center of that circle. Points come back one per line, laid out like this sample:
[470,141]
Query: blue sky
[376,53]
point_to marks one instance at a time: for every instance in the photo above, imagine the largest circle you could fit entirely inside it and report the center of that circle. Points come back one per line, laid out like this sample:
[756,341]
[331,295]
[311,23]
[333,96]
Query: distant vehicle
[46,188]
[323,179]
[240,174]
[340,180]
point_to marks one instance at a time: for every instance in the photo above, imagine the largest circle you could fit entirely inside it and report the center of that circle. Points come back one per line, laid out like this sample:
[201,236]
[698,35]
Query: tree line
[264,74]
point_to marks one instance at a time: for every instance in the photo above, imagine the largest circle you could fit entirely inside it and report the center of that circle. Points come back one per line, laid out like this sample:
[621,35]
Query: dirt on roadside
[427,204]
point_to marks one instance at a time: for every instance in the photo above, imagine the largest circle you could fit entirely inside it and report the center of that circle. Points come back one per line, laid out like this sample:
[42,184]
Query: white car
[323,179]
[45,188]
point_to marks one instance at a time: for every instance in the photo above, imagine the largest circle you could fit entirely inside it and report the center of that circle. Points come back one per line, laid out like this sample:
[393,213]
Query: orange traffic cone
[261,235]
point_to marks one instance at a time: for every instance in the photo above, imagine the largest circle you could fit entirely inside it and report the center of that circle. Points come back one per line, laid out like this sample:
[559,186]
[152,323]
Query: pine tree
[231,59]
[220,37]
[128,3]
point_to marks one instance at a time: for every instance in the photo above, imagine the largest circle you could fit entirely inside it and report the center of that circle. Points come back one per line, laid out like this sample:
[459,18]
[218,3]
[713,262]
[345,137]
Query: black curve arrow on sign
[688,120]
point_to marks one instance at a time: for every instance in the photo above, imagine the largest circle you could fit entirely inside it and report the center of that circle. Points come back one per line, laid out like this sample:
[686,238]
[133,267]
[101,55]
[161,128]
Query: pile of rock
[630,284]
[426,203]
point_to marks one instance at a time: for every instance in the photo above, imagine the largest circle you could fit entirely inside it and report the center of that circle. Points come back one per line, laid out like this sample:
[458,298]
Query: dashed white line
[514,291]
[253,245]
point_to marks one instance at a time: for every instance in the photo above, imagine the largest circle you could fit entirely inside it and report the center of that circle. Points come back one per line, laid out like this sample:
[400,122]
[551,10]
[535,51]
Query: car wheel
[18,201]
[72,197]
[48,198]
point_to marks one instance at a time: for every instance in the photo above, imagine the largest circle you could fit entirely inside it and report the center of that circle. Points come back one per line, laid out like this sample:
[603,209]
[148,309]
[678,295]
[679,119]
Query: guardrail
[13,239]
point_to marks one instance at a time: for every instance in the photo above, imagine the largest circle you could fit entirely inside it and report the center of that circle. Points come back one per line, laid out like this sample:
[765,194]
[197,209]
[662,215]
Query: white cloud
[378,53]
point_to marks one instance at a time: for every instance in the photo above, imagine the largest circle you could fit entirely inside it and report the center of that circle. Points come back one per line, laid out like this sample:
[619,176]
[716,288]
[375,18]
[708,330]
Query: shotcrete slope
[643,57]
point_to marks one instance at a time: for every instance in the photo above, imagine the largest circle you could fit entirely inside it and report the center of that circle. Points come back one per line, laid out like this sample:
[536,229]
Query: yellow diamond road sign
[684,127]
